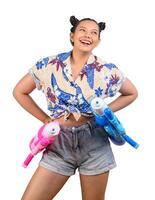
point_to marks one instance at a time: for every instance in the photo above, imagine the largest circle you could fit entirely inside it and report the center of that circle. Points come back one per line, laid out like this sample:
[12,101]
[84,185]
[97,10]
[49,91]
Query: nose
[87,34]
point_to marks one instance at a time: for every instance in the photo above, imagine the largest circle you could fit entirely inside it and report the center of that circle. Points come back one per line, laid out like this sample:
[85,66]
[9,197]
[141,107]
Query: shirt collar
[67,56]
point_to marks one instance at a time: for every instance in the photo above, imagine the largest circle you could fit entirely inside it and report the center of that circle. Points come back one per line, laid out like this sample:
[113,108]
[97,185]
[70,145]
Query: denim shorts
[85,147]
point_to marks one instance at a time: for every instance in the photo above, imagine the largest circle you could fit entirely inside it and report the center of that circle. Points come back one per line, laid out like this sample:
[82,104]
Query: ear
[71,36]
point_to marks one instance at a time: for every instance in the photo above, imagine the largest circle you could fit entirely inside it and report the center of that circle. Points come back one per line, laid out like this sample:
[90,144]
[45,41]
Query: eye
[82,29]
[94,32]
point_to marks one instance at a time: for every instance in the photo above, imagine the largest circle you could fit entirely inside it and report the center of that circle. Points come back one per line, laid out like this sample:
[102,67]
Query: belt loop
[75,138]
[90,127]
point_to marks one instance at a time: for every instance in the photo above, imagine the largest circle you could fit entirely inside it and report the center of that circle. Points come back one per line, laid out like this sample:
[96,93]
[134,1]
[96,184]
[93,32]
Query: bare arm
[128,95]
[21,93]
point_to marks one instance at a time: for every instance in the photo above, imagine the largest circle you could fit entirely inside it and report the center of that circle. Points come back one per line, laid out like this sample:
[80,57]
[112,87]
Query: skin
[86,31]
[45,184]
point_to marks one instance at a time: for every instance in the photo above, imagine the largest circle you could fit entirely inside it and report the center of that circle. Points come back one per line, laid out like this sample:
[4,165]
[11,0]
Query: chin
[86,49]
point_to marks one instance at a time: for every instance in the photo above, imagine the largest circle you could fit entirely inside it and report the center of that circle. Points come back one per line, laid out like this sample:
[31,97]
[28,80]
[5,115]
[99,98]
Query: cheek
[96,41]
[79,34]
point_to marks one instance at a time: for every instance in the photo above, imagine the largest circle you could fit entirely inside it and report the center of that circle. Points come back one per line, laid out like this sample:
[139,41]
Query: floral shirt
[53,75]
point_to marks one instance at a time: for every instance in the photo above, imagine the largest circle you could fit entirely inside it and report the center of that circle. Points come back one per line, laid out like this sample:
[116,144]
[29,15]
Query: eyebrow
[86,28]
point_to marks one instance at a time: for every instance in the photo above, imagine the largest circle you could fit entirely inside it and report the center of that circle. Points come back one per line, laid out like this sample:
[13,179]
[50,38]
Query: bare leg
[94,186]
[44,185]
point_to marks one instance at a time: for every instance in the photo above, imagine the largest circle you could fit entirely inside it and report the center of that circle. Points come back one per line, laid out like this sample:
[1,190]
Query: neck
[79,58]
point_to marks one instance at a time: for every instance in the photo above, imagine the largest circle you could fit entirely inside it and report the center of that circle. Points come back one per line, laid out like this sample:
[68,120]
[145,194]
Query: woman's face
[86,36]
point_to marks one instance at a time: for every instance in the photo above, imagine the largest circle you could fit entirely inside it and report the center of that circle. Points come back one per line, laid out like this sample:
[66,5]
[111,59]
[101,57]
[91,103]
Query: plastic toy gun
[45,136]
[105,117]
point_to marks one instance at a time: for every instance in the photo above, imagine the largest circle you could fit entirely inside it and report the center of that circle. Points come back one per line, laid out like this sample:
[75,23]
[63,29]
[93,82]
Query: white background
[34,29]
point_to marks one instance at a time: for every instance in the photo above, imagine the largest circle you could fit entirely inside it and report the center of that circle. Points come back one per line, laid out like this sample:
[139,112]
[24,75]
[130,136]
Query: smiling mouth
[86,42]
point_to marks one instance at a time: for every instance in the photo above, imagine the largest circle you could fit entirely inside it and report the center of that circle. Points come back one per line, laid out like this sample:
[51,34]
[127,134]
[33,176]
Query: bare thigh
[94,186]
[44,185]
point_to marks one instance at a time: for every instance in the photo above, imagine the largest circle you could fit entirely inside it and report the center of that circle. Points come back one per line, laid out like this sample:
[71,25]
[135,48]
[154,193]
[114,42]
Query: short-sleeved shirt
[97,78]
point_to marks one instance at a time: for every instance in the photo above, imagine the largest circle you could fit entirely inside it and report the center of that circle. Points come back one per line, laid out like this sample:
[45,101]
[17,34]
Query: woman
[70,81]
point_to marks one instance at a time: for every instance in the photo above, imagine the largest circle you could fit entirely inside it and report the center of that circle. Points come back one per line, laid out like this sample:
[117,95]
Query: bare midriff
[71,121]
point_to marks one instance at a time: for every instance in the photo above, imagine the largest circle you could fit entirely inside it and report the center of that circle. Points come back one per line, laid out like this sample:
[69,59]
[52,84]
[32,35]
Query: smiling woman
[86,35]
[69,82]
[86,26]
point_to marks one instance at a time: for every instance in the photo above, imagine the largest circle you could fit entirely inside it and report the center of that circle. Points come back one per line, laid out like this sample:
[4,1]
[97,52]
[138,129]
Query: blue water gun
[105,117]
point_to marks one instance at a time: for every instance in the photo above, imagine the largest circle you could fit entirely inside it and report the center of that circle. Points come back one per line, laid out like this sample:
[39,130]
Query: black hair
[75,22]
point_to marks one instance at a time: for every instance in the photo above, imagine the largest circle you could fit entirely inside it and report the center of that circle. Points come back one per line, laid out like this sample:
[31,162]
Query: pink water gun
[45,136]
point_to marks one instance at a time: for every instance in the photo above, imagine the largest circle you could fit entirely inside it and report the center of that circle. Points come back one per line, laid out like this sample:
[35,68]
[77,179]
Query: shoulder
[51,60]
[108,67]
[45,64]
[42,63]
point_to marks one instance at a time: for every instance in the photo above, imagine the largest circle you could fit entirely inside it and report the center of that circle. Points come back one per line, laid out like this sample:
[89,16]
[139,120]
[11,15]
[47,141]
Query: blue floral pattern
[42,63]
[65,95]
[99,92]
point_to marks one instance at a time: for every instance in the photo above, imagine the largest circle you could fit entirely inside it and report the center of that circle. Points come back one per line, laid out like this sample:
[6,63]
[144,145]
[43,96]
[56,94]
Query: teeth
[86,42]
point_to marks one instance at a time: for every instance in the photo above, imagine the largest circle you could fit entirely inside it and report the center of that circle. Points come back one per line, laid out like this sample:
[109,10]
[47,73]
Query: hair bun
[102,26]
[73,20]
